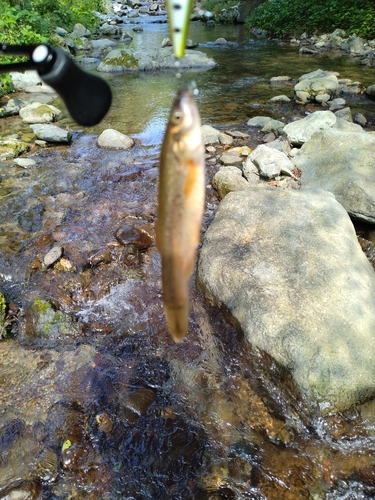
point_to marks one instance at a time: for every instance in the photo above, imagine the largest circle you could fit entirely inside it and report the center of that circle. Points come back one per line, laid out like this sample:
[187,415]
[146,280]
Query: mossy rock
[3,307]
[11,148]
[49,322]
[120,61]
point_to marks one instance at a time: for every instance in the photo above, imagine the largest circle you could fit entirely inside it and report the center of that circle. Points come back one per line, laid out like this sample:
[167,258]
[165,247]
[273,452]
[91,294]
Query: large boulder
[289,268]
[37,112]
[342,163]
[301,131]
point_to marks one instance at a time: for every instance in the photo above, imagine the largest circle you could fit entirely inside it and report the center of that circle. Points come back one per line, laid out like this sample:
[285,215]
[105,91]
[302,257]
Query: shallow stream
[102,404]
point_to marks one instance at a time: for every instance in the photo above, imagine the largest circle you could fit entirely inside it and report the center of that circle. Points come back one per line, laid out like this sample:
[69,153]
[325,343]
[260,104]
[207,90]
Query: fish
[179,12]
[181,200]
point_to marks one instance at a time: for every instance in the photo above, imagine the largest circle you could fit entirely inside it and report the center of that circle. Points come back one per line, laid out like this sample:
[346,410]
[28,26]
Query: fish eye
[178,115]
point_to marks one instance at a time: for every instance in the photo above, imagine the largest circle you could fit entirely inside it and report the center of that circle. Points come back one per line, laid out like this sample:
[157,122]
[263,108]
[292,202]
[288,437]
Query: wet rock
[52,256]
[43,320]
[288,266]
[342,163]
[51,133]
[27,490]
[124,60]
[210,134]
[258,121]
[11,148]
[12,107]
[270,161]
[228,179]
[31,220]
[111,138]
[25,162]
[136,233]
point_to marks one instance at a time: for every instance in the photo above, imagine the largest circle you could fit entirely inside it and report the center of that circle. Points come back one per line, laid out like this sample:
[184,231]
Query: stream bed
[97,401]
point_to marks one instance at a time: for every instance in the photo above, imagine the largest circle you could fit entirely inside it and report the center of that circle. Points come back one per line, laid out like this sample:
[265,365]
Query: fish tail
[177,319]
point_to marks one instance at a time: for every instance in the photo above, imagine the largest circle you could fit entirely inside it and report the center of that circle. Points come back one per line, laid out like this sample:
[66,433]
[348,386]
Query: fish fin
[177,319]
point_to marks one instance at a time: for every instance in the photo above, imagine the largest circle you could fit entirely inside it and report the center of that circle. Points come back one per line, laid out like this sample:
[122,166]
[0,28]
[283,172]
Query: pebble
[52,256]
[24,162]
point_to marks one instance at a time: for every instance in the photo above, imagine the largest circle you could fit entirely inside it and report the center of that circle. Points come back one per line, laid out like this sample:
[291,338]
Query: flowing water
[97,401]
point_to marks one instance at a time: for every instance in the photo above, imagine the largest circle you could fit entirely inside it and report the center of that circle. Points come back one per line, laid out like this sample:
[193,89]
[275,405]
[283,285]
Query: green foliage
[34,21]
[293,17]
[217,6]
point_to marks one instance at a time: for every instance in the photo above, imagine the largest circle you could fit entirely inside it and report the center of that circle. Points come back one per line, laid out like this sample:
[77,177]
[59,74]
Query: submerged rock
[288,266]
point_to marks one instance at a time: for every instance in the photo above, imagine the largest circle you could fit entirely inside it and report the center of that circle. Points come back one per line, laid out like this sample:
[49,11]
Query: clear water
[111,408]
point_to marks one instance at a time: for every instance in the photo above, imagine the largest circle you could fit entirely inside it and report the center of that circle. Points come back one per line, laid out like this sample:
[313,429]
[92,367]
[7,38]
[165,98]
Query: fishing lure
[179,12]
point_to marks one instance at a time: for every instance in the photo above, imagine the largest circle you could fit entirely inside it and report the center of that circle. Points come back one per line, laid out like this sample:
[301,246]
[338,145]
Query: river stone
[258,121]
[342,163]
[51,133]
[231,158]
[344,114]
[336,104]
[317,86]
[12,107]
[275,126]
[11,148]
[228,179]
[210,134]
[370,91]
[22,81]
[25,162]
[279,98]
[37,112]
[300,131]
[289,268]
[111,138]
[270,161]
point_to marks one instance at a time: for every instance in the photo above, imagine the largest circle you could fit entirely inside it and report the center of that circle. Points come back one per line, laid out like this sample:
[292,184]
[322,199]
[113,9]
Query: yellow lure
[179,12]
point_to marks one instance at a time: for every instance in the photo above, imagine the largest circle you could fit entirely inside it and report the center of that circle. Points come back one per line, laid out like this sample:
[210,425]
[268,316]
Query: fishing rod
[86,96]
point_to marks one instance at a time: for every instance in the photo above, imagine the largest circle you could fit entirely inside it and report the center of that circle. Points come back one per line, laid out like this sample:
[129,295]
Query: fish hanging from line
[180,208]
[179,12]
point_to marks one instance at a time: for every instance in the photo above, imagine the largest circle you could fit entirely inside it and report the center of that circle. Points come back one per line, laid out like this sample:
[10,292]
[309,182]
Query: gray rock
[230,158]
[270,162]
[51,133]
[80,30]
[275,126]
[228,179]
[280,79]
[279,98]
[11,148]
[22,81]
[111,138]
[336,104]
[288,266]
[259,121]
[12,107]
[25,162]
[225,139]
[319,89]
[370,91]
[342,163]
[251,172]
[300,131]
[37,112]
[360,119]
[124,60]
[344,114]
[210,134]
[103,43]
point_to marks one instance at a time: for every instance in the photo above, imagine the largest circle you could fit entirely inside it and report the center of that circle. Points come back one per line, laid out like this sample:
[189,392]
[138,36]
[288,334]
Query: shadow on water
[97,402]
